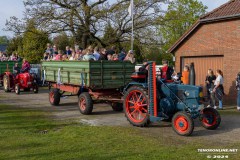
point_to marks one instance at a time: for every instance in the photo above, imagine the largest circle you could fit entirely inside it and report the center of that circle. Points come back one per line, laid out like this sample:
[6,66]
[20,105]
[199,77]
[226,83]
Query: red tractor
[25,81]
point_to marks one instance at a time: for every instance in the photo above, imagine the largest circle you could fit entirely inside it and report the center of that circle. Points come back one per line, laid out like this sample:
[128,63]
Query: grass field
[32,134]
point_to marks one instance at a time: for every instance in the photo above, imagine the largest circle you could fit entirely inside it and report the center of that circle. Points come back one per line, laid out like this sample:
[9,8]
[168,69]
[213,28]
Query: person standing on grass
[238,91]
[218,90]
[210,84]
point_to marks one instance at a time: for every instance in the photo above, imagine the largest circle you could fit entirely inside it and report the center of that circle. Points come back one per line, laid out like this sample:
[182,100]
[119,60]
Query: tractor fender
[144,85]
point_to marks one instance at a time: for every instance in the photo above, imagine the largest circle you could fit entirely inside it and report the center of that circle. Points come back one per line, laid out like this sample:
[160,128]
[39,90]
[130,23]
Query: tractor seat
[139,76]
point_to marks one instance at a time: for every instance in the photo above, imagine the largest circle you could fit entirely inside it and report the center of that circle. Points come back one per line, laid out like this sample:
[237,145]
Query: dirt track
[226,135]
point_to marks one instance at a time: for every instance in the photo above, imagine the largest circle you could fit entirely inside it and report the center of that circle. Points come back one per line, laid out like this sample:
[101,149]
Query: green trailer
[91,81]
[7,66]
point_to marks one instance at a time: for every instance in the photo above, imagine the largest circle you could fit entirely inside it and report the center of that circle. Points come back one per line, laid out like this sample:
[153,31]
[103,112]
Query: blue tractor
[147,99]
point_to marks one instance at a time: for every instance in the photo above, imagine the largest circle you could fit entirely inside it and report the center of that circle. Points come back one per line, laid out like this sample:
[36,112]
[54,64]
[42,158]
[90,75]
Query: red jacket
[25,67]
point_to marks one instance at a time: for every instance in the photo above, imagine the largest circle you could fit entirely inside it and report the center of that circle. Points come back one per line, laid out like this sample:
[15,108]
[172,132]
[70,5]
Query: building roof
[3,47]
[227,11]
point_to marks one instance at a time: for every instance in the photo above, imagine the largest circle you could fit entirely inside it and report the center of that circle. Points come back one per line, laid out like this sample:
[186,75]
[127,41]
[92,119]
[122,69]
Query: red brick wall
[221,38]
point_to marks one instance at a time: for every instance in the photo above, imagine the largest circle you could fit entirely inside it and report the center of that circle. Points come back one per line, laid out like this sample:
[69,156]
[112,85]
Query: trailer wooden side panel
[93,74]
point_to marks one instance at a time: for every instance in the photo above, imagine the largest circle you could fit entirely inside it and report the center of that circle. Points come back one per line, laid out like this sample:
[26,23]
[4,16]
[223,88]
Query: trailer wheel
[6,83]
[210,118]
[182,124]
[54,97]
[85,103]
[136,106]
[35,88]
[118,107]
[17,89]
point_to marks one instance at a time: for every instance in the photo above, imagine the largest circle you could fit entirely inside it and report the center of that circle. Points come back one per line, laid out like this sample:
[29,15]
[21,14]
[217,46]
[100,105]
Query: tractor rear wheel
[118,107]
[85,103]
[136,106]
[54,97]
[182,124]
[210,118]
[17,89]
[6,83]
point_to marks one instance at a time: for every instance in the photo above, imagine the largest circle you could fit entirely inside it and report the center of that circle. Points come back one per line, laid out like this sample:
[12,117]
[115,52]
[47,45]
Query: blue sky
[15,8]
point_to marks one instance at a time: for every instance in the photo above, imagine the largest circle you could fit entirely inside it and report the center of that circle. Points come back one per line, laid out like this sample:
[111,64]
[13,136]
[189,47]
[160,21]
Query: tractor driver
[25,66]
[16,69]
[144,68]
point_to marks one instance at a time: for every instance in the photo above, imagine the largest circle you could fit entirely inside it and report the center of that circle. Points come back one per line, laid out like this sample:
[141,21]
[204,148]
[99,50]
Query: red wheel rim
[82,104]
[181,124]
[209,118]
[136,106]
[51,97]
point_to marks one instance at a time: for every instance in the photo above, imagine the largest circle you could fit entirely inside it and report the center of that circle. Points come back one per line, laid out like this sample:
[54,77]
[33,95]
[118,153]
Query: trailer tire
[210,118]
[118,107]
[182,123]
[6,83]
[85,103]
[54,97]
[136,106]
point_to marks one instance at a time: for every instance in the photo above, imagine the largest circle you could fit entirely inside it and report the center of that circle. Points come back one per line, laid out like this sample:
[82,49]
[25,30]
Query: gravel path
[228,133]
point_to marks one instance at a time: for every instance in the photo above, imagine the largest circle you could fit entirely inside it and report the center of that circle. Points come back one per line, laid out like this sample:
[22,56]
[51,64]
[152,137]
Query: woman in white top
[218,90]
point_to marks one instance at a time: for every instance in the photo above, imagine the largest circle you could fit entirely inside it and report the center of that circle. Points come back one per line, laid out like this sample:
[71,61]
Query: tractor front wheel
[85,103]
[210,118]
[6,83]
[182,124]
[17,89]
[136,106]
[118,107]
[54,97]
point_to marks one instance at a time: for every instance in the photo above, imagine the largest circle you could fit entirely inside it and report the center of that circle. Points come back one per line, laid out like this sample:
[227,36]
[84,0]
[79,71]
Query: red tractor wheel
[6,83]
[210,118]
[17,89]
[54,97]
[85,103]
[182,124]
[136,106]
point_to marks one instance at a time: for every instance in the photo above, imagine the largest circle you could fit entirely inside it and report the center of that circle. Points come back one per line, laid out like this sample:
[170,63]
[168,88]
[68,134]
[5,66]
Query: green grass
[30,134]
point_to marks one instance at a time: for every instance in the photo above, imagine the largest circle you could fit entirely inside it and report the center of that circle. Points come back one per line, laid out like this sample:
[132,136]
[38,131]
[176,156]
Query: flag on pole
[130,8]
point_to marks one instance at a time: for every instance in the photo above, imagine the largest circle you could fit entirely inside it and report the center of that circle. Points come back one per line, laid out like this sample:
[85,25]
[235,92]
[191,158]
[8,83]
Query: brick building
[213,42]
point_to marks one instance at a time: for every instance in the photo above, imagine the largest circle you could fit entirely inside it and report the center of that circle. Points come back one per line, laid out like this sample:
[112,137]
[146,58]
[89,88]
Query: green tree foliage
[15,45]
[34,43]
[180,16]
[62,40]
[4,40]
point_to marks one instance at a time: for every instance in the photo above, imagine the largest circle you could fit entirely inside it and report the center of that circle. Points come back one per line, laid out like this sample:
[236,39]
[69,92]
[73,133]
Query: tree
[15,45]
[85,19]
[180,16]
[62,40]
[4,40]
[34,43]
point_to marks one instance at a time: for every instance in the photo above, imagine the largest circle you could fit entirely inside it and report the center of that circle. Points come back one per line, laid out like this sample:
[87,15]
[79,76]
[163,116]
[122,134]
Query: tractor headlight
[201,94]
[186,93]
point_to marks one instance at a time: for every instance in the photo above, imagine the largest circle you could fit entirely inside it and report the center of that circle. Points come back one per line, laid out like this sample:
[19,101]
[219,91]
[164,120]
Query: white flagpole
[131,13]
